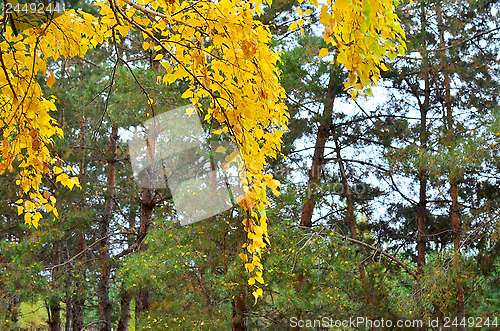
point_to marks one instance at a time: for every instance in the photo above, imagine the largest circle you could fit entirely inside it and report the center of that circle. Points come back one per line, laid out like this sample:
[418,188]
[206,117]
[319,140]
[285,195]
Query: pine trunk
[147,206]
[455,217]
[54,316]
[318,161]
[105,307]
[77,314]
[78,301]
[422,175]
[125,300]
[370,296]
[239,313]
[54,321]
[13,309]
[457,234]
[125,295]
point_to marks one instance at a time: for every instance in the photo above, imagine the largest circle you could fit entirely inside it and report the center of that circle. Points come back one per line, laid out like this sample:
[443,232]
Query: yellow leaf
[51,79]
[323,52]
[220,149]
[249,267]
[27,218]
[257,293]
[217,40]
[147,45]
[36,217]
[123,29]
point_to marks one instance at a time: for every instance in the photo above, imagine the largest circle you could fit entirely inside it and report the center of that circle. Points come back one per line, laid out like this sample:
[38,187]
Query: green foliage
[192,273]
[195,275]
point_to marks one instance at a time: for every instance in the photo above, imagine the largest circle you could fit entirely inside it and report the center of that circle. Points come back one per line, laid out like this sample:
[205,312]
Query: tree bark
[126,299]
[318,161]
[147,206]
[455,217]
[457,234]
[239,313]
[421,222]
[370,296]
[78,300]
[77,314]
[54,308]
[13,309]
[54,321]
[422,174]
[125,295]
[69,305]
[105,306]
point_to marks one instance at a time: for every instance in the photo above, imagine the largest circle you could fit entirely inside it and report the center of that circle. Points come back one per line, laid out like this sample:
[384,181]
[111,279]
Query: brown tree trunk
[239,313]
[345,185]
[422,175]
[125,295]
[457,234]
[370,297]
[54,321]
[421,222]
[125,300]
[13,309]
[54,309]
[78,300]
[77,314]
[105,307]
[318,161]
[422,217]
[69,306]
[147,206]
[146,212]
[455,217]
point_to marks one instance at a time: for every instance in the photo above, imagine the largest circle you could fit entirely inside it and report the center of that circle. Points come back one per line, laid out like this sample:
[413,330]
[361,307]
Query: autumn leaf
[51,79]
[323,52]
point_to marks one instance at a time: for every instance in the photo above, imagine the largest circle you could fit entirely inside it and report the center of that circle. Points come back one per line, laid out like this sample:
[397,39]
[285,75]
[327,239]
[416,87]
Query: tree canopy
[219,48]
